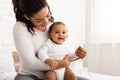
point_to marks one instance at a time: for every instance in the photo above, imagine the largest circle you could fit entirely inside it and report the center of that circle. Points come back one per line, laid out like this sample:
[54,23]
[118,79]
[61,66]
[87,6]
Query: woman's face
[41,19]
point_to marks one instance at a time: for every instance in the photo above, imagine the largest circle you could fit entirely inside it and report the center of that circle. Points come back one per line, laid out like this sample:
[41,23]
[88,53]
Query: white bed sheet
[97,76]
[81,71]
[7,76]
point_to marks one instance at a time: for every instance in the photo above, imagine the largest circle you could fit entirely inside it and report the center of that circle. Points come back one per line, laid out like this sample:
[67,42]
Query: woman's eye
[56,32]
[39,21]
[48,16]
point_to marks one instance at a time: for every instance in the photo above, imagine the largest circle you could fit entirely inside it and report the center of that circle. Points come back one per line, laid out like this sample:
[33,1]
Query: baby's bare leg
[50,75]
[69,75]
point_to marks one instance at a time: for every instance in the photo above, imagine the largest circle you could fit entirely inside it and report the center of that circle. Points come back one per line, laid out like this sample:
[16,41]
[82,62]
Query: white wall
[71,12]
[6,23]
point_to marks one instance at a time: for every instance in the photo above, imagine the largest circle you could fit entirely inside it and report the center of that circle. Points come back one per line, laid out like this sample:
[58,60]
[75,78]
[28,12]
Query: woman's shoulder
[19,24]
[20,27]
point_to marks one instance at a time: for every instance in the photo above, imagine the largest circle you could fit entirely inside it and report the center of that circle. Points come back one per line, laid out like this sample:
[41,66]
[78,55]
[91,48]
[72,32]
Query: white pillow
[6,61]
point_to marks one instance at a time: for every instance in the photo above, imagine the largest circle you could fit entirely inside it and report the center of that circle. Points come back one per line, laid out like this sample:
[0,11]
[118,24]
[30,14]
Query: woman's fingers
[82,55]
[81,49]
[53,66]
[81,52]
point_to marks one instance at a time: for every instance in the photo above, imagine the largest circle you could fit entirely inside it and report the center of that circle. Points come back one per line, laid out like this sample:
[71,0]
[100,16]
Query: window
[106,21]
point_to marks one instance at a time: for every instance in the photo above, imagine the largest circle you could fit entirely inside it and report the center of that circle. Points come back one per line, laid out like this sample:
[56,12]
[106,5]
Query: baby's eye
[64,32]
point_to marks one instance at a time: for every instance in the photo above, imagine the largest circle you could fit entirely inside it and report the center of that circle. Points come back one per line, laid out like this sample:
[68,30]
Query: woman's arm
[63,63]
[25,49]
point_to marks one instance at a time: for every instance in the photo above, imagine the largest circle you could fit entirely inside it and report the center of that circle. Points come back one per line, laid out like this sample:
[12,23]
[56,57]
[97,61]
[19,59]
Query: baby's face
[58,34]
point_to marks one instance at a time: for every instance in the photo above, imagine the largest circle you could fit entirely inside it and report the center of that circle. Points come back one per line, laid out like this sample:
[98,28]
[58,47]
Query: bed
[7,70]
[85,73]
[9,66]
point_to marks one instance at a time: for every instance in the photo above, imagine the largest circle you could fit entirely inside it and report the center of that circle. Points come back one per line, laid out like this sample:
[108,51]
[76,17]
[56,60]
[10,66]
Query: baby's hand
[52,63]
[80,52]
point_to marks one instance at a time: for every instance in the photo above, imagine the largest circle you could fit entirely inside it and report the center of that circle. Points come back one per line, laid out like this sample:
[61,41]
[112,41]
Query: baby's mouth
[60,38]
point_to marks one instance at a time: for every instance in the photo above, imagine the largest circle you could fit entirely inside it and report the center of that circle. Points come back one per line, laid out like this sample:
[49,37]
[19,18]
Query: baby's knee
[50,75]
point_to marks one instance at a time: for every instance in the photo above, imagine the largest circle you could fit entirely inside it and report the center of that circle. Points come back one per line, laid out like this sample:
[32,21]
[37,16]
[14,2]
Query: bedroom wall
[6,23]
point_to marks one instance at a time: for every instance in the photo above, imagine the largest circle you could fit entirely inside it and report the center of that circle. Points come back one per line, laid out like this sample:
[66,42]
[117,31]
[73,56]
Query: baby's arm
[43,56]
[53,64]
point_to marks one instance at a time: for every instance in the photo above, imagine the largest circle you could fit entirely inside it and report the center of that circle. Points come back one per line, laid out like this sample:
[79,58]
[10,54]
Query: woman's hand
[80,52]
[52,63]
[56,64]
[63,63]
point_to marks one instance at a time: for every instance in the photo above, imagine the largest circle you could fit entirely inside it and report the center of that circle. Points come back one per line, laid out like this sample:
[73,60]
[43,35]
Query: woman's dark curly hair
[29,8]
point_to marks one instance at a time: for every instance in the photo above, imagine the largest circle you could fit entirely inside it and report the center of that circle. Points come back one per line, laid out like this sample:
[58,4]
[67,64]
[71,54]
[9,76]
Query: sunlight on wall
[107,19]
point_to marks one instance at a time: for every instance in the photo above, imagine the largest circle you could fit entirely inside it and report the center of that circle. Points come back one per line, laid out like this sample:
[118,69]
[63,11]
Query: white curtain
[103,36]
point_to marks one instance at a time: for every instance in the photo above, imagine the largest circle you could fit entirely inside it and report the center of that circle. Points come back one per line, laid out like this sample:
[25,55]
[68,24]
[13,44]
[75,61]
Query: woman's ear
[27,17]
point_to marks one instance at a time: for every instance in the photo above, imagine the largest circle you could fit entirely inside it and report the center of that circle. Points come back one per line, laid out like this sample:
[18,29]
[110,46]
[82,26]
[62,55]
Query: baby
[55,49]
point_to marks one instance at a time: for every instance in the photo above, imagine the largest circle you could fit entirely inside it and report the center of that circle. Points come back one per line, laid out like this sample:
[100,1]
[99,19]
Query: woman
[30,32]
